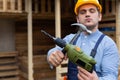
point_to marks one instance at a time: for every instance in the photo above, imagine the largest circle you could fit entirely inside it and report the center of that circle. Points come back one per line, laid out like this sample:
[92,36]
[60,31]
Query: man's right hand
[55,58]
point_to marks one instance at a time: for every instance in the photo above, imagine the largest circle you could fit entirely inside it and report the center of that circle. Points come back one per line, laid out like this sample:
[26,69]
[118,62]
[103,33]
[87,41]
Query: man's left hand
[85,75]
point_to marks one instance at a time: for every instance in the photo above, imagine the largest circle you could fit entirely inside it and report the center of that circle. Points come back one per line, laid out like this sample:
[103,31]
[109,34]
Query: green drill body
[79,58]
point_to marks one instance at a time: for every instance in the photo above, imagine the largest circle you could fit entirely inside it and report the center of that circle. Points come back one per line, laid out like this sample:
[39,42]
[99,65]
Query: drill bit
[47,34]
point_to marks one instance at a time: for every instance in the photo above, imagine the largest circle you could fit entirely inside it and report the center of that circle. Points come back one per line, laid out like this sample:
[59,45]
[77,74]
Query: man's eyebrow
[89,9]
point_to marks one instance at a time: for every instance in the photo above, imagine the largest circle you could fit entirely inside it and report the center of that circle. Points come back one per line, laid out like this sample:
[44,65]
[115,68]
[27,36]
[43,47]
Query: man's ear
[77,18]
[100,17]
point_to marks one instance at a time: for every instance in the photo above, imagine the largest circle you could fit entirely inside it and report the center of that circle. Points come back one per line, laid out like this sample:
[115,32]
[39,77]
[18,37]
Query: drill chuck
[60,42]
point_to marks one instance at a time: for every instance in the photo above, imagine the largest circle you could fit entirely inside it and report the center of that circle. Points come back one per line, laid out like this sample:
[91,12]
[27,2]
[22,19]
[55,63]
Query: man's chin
[90,27]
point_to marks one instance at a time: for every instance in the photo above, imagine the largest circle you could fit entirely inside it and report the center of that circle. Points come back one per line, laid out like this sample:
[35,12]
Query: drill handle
[64,51]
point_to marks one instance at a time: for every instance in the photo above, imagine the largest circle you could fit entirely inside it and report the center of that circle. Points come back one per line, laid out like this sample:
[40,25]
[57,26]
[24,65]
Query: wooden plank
[36,6]
[8,54]
[20,6]
[111,24]
[118,24]
[1,5]
[24,75]
[30,46]
[4,5]
[12,2]
[62,70]
[110,34]
[113,6]
[9,78]
[8,5]
[44,75]
[39,74]
[7,60]
[8,67]
[9,73]
[57,29]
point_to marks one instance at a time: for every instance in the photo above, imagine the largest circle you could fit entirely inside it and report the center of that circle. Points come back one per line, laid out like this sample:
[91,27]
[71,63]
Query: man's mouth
[88,19]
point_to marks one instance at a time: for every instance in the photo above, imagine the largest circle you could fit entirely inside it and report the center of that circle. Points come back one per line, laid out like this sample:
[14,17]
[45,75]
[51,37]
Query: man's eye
[92,10]
[82,12]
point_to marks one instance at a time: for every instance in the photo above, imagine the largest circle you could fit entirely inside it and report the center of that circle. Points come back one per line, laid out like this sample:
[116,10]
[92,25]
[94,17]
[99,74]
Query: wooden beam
[36,6]
[26,5]
[118,23]
[57,18]
[57,29]
[113,6]
[4,5]
[30,47]
[43,6]
[19,5]
[12,5]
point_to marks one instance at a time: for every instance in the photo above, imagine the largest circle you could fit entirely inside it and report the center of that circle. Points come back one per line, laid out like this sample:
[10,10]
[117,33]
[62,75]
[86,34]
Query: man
[89,14]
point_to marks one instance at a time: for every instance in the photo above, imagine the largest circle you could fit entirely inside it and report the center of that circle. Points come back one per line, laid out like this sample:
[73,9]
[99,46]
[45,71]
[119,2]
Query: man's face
[89,16]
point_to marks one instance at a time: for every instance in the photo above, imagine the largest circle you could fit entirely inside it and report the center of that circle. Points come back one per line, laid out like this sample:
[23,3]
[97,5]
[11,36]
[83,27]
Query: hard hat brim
[87,2]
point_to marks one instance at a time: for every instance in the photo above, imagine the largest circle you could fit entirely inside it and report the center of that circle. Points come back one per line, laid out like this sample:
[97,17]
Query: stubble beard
[91,27]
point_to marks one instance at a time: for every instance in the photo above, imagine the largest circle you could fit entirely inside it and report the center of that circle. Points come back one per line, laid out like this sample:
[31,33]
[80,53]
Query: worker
[88,13]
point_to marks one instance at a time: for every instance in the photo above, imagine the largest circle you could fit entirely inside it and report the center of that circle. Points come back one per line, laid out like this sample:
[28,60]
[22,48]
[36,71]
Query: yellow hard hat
[82,2]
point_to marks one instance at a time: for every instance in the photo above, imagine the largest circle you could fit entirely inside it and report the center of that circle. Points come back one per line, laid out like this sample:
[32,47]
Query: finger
[83,76]
[52,60]
[55,63]
[56,57]
[84,71]
[59,56]
[55,60]
[79,77]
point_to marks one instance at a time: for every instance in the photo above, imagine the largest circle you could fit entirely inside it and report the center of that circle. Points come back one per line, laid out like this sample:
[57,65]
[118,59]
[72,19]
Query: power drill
[74,54]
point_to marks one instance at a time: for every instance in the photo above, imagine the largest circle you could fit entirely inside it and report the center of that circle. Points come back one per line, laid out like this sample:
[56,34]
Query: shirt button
[83,44]
[85,36]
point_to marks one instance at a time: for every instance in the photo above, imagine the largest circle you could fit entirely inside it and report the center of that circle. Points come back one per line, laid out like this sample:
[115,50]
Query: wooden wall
[41,45]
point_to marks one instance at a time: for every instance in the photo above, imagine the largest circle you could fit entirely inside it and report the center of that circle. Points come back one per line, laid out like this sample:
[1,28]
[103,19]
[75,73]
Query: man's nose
[87,14]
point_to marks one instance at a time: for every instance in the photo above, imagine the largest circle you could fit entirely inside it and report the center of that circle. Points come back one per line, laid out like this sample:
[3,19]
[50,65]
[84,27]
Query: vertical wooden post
[57,18]
[12,2]
[26,5]
[113,6]
[49,6]
[118,23]
[20,5]
[43,6]
[57,28]
[30,49]
[4,5]
[1,5]
[107,7]
[36,6]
